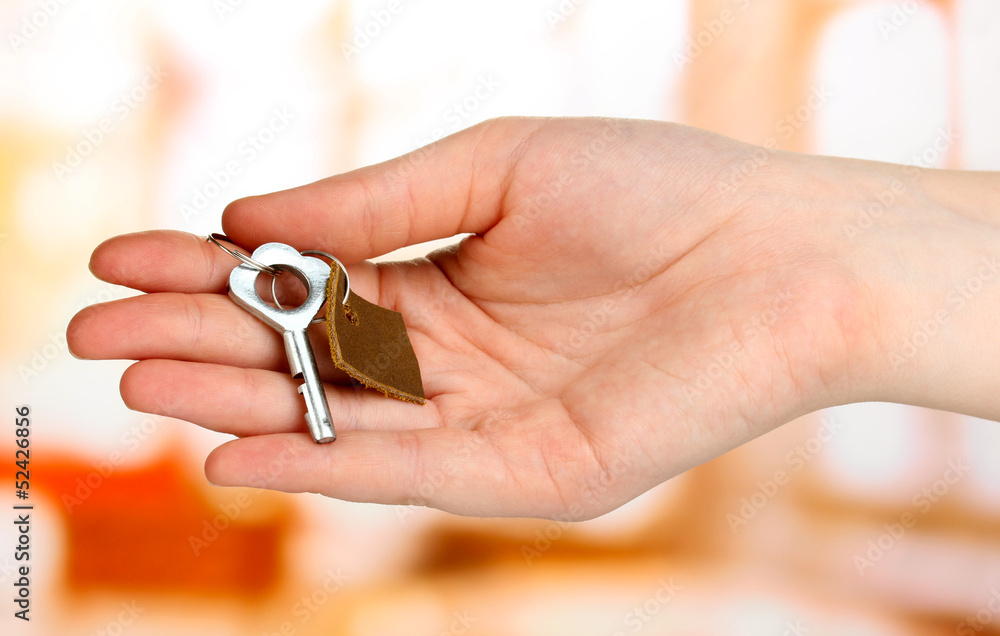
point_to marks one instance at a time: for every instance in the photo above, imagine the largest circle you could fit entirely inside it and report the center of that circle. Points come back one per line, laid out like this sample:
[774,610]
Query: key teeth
[319,426]
[303,390]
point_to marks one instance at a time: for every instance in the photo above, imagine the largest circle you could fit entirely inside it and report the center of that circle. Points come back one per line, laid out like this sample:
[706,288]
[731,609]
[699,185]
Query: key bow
[313,273]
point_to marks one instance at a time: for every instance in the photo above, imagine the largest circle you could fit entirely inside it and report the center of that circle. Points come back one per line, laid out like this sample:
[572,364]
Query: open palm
[615,318]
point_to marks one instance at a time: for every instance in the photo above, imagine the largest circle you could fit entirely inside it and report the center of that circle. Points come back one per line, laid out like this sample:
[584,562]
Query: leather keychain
[367,342]
[370,343]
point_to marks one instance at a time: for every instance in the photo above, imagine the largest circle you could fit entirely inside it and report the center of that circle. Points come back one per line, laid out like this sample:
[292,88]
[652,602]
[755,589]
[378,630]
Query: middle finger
[192,327]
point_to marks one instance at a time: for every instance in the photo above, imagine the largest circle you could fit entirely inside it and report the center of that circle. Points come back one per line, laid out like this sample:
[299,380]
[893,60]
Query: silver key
[292,323]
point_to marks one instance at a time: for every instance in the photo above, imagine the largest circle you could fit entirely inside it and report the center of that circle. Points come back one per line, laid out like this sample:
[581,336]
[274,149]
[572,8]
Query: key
[292,323]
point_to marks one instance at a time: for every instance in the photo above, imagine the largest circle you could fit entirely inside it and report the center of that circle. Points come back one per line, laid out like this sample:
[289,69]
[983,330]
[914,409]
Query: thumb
[452,186]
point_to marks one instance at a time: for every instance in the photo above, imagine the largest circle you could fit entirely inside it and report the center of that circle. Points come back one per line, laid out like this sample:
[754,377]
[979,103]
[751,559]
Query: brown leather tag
[370,344]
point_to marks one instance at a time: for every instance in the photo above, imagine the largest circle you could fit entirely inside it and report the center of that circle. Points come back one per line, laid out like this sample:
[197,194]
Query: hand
[637,298]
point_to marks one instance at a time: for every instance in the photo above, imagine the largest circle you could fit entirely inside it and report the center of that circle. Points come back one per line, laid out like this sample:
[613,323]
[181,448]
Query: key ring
[333,259]
[347,278]
[215,237]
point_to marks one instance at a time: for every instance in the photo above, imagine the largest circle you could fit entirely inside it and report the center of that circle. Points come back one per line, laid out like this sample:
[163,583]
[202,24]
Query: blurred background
[118,116]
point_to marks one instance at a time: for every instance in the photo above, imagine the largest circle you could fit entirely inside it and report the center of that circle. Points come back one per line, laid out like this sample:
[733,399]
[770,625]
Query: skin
[637,298]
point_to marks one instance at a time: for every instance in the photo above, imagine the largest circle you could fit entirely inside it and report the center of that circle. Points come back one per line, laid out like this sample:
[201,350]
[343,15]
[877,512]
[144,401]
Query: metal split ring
[215,238]
[347,278]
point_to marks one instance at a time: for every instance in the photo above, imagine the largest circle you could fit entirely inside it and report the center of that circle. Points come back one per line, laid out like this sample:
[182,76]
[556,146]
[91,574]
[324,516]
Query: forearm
[927,245]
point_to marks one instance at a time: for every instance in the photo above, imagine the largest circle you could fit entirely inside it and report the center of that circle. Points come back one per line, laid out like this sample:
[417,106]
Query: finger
[452,186]
[162,260]
[170,261]
[193,327]
[210,328]
[447,468]
[256,401]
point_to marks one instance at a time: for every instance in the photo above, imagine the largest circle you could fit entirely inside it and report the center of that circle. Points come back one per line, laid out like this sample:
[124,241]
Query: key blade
[296,347]
[303,365]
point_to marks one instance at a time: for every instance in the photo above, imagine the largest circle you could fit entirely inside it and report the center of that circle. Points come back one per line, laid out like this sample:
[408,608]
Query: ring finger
[257,402]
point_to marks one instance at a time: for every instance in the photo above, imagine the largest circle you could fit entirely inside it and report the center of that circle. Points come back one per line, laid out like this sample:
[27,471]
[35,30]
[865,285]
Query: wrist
[926,245]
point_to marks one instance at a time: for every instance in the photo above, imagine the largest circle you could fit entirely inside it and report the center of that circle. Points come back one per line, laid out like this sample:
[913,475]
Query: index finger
[172,261]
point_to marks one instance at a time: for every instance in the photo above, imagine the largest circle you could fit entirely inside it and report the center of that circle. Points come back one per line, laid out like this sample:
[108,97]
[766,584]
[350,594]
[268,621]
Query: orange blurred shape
[150,528]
